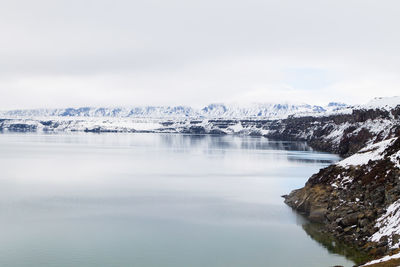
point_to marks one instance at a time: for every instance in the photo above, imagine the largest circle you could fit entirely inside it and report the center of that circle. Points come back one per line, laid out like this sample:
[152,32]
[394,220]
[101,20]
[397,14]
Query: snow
[342,182]
[395,158]
[231,111]
[386,258]
[145,126]
[212,111]
[337,133]
[236,128]
[388,224]
[370,152]
[383,103]
[377,126]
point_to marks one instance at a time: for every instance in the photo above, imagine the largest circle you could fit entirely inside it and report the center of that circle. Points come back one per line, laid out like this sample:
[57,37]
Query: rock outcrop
[354,198]
[343,134]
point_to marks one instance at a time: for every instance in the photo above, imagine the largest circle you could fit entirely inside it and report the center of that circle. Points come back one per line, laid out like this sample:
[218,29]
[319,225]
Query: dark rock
[22,127]
[217,131]
[318,215]
[383,243]
[363,222]
[350,219]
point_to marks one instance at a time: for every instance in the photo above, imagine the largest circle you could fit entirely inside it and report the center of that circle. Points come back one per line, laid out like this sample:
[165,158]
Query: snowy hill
[212,111]
[117,112]
[383,103]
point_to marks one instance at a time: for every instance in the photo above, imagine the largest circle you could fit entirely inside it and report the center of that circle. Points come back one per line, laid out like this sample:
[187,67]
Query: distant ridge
[211,111]
[383,102]
[259,110]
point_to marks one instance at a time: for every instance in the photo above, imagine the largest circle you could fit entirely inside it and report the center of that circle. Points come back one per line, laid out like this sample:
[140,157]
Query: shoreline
[352,199]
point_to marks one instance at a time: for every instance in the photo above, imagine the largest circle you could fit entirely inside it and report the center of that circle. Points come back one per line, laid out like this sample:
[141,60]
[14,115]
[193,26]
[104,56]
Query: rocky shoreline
[357,199]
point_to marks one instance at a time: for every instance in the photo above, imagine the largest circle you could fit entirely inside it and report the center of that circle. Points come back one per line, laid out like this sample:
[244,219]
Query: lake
[84,199]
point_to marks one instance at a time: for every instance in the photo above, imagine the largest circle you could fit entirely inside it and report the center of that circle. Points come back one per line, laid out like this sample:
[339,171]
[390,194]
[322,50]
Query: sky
[71,53]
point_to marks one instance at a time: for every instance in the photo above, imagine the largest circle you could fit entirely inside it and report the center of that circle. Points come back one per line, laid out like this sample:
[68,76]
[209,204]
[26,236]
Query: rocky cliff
[343,134]
[358,199]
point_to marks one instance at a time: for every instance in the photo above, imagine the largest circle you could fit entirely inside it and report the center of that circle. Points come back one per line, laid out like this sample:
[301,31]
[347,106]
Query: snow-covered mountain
[212,111]
[383,103]
[270,111]
[117,112]
[214,119]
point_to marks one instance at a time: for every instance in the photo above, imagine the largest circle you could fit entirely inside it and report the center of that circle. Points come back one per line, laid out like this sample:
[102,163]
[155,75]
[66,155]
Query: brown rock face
[348,207]
[318,215]
[311,201]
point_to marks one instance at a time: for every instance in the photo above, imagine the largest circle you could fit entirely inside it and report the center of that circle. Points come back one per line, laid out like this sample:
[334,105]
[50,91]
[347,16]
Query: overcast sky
[58,53]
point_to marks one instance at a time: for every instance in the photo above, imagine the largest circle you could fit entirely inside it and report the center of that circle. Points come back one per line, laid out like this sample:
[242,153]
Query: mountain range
[211,111]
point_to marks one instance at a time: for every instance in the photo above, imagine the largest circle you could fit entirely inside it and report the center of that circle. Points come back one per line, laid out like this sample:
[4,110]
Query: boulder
[318,215]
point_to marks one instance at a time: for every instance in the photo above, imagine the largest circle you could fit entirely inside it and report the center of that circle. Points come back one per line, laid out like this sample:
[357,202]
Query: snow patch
[386,258]
[389,224]
[371,152]
[383,103]
[395,158]
[236,128]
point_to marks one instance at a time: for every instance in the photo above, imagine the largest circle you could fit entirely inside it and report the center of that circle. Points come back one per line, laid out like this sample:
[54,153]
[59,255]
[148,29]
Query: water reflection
[232,142]
[154,200]
[182,143]
[334,245]
[210,144]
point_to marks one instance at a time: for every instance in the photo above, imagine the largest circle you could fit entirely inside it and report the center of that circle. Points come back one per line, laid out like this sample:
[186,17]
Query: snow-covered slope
[384,260]
[212,111]
[370,152]
[118,112]
[389,225]
[383,103]
[270,111]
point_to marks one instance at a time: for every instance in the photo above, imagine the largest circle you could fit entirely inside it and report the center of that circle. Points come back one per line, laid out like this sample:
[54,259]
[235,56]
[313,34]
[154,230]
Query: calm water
[154,200]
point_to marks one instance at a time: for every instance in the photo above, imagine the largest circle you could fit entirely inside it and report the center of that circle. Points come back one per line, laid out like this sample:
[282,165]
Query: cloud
[63,53]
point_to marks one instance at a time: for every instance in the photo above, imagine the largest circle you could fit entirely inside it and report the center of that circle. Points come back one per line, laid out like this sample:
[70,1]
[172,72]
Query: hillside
[358,199]
[212,111]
